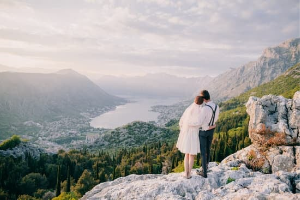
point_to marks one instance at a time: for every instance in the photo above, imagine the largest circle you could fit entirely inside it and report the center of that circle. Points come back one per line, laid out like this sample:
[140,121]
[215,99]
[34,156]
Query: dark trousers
[205,138]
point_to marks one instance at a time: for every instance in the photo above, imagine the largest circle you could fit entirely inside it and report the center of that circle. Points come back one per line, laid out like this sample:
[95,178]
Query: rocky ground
[245,184]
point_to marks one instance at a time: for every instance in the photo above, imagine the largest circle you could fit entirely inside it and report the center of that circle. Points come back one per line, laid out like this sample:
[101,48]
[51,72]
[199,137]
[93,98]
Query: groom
[209,117]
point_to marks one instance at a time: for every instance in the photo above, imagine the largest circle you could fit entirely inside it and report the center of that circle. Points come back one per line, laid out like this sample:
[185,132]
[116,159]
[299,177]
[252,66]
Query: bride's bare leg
[191,164]
[186,164]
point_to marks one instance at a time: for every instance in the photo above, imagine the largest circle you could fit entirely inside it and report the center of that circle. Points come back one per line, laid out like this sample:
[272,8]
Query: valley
[56,125]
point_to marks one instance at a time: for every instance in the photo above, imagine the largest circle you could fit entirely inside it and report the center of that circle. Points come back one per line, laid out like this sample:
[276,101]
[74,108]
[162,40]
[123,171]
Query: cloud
[135,36]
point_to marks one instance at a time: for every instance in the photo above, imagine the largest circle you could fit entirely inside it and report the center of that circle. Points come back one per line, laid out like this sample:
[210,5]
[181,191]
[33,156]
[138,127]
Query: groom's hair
[205,94]
[198,100]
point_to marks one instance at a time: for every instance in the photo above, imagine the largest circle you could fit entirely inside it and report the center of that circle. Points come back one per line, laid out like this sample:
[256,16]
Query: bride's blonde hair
[198,100]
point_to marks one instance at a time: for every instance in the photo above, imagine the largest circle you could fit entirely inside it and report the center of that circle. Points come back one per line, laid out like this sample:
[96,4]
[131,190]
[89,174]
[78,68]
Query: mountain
[47,97]
[286,85]
[160,84]
[273,62]
[4,68]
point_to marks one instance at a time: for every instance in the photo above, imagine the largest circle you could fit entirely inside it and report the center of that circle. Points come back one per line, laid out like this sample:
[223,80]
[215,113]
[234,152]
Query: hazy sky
[133,37]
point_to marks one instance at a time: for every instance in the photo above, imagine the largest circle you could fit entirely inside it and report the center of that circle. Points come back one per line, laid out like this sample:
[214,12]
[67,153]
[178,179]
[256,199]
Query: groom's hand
[212,127]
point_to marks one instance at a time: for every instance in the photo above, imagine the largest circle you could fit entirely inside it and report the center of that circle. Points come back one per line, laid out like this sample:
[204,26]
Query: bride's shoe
[189,175]
[186,176]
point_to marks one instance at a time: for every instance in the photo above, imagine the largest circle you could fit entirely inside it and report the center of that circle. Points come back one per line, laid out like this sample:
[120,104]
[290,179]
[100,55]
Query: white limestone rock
[274,113]
[279,158]
[246,184]
[284,161]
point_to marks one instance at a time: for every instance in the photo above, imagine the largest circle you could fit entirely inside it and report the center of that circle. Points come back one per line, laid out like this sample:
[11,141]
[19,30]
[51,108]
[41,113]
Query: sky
[136,37]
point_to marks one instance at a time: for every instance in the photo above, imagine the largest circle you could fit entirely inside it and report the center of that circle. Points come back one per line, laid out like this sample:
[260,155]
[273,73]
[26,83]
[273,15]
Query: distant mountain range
[159,84]
[4,68]
[286,85]
[46,97]
[273,62]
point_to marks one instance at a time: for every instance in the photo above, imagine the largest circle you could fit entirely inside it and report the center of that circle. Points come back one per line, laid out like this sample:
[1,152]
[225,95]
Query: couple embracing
[197,126]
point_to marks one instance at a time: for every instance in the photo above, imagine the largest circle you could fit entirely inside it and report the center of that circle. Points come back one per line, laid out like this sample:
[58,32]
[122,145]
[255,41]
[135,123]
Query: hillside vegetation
[14,141]
[75,172]
[231,133]
[135,134]
[286,85]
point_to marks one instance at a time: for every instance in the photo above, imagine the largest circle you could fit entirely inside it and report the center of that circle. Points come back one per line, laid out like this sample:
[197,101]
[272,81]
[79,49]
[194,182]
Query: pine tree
[173,163]
[114,173]
[150,168]
[58,182]
[126,170]
[97,171]
[68,188]
[84,183]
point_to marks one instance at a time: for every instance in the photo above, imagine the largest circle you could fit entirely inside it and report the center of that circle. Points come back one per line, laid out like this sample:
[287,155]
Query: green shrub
[66,196]
[26,197]
[14,141]
[229,180]
[179,168]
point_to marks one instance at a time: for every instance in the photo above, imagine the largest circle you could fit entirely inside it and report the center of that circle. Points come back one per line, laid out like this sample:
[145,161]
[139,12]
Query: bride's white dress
[188,140]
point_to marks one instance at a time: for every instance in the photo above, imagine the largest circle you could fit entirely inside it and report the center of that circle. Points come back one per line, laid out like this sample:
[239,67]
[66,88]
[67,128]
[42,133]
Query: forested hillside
[70,174]
[77,171]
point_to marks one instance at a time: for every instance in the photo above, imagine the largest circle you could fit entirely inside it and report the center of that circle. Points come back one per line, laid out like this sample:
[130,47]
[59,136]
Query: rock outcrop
[274,132]
[274,114]
[245,184]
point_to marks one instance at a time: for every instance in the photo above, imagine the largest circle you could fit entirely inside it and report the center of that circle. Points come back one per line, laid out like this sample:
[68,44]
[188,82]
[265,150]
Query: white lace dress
[188,140]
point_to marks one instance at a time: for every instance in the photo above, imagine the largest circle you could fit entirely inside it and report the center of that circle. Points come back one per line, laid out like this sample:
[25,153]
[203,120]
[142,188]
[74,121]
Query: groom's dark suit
[209,116]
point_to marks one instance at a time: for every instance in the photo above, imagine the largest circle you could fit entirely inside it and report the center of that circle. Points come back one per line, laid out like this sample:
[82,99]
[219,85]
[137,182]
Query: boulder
[274,116]
[274,159]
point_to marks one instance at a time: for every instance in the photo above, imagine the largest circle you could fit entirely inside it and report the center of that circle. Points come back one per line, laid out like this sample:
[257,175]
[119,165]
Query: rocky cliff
[274,132]
[267,169]
[273,62]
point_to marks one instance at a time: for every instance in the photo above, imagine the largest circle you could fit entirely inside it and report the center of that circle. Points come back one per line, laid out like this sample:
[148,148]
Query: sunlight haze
[136,37]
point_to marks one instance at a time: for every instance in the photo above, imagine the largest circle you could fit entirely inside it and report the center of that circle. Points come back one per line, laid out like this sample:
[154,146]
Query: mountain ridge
[32,96]
[151,85]
[273,62]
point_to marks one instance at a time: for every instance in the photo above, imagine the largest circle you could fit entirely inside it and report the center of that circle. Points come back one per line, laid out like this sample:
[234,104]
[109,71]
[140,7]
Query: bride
[188,140]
